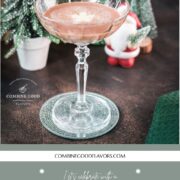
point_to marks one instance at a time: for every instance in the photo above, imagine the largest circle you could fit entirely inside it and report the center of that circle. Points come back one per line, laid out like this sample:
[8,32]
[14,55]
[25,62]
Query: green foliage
[144,11]
[102,42]
[18,19]
[139,36]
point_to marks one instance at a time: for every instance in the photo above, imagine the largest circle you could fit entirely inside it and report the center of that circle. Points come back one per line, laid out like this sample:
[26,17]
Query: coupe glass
[82,22]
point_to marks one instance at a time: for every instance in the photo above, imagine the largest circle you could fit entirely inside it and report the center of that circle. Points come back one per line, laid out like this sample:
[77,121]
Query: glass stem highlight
[81,52]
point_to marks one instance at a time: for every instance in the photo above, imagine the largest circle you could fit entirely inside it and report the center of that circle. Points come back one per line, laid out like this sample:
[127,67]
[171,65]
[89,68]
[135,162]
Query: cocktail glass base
[59,116]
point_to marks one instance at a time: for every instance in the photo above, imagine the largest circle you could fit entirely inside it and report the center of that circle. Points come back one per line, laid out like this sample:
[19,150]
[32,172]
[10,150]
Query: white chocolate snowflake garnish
[82,17]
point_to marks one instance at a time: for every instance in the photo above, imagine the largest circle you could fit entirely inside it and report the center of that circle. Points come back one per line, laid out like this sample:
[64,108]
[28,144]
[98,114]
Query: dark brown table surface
[135,90]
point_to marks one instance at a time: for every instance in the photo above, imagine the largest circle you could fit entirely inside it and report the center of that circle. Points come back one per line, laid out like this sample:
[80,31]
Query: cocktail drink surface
[81,114]
[83,22]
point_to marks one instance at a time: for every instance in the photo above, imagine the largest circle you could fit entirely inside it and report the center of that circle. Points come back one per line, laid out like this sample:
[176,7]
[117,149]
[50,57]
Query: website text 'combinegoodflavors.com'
[92,156]
[49,156]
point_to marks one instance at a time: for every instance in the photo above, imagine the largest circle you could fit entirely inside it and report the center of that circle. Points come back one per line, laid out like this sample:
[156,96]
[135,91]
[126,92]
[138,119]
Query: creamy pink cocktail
[82,22]
[81,114]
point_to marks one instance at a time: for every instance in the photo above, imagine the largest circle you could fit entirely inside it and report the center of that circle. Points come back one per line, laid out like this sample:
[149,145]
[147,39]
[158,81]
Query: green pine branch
[18,19]
[135,39]
[144,11]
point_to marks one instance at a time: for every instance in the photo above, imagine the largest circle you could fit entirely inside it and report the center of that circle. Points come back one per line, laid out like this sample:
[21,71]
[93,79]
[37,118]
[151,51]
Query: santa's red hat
[133,15]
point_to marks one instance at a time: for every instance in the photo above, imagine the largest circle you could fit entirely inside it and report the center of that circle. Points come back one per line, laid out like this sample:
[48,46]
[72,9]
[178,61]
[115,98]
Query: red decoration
[132,14]
[118,47]
[127,63]
[112,61]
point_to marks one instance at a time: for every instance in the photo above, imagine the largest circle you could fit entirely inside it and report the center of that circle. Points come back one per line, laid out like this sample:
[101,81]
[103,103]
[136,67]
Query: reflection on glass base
[102,115]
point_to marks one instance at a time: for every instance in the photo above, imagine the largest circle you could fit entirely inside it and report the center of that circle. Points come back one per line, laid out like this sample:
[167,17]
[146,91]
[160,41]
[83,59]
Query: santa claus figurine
[122,47]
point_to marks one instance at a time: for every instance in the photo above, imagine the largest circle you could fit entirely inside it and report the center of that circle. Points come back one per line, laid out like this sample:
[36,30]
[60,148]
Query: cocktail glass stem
[81,52]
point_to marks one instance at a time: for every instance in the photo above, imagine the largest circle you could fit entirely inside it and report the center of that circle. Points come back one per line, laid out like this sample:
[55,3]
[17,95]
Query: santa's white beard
[119,40]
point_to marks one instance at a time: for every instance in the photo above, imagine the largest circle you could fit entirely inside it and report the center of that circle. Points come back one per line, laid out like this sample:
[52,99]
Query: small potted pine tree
[31,40]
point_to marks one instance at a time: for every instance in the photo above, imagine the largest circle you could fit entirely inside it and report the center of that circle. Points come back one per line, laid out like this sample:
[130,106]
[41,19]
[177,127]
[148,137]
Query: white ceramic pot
[33,53]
